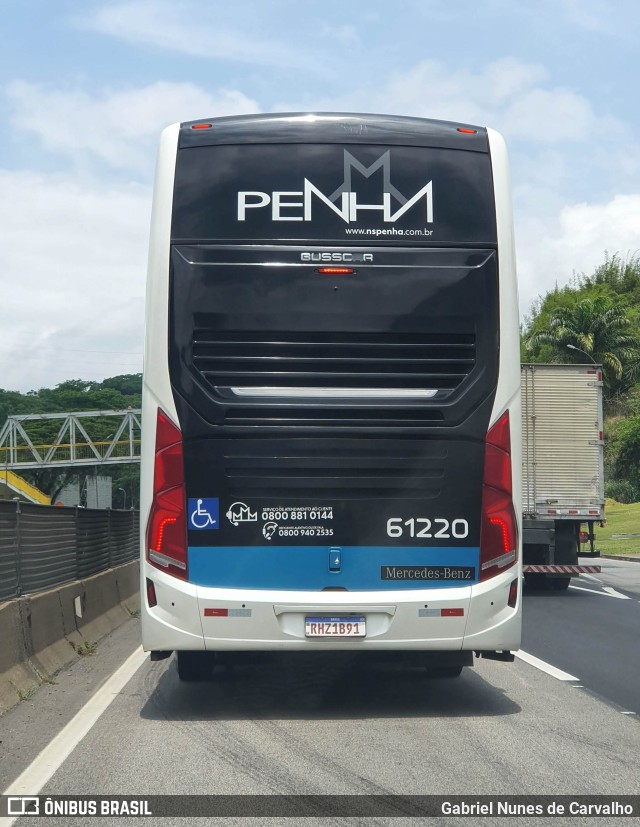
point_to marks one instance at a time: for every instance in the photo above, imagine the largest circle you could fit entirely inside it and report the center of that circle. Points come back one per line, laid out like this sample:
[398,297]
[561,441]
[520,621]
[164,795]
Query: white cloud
[592,15]
[572,240]
[507,94]
[75,246]
[73,263]
[120,128]
[192,29]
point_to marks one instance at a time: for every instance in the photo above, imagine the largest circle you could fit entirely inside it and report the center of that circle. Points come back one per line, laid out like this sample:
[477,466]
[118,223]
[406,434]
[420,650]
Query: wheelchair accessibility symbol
[204,513]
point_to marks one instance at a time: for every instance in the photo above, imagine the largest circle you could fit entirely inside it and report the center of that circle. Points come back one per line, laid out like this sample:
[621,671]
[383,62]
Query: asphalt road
[293,724]
[591,631]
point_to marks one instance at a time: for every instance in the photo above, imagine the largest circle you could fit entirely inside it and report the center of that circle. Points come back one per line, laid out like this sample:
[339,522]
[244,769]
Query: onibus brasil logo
[297,205]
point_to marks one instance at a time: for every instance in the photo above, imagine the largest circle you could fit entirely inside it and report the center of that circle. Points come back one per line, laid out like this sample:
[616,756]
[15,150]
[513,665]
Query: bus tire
[194,666]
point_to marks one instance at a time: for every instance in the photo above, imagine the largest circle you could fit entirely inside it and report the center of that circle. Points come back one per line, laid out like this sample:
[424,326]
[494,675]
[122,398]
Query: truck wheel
[533,580]
[559,584]
[195,666]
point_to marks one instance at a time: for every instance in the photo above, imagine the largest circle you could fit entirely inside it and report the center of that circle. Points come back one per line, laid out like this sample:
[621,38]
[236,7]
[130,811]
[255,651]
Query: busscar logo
[350,257]
[298,205]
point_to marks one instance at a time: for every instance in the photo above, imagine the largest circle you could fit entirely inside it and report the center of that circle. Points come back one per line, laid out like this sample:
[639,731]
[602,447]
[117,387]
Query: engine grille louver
[360,361]
[351,470]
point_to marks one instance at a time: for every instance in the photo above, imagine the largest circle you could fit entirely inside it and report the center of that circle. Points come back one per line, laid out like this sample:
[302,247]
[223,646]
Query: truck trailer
[562,470]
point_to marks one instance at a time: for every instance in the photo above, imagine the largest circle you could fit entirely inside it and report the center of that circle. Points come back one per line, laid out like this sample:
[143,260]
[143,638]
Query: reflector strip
[440,612]
[501,561]
[227,612]
[562,569]
[573,512]
[165,561]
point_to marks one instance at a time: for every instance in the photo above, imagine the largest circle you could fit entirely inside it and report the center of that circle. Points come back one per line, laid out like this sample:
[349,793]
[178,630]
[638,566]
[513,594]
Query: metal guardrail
[45,546]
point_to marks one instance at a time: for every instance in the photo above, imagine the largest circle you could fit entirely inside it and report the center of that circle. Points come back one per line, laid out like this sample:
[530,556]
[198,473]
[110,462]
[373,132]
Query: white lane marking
[532,660]
[628,713]
[590,577]
[36,775]
[608,592]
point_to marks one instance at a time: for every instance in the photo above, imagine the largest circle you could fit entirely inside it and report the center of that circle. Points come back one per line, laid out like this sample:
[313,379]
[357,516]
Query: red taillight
[152,600]
[335,271]
[167,526]
[498,535]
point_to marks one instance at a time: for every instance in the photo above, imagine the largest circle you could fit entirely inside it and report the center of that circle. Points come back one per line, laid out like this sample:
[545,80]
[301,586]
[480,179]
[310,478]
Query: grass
[621,519]
[84,649]
[27,694]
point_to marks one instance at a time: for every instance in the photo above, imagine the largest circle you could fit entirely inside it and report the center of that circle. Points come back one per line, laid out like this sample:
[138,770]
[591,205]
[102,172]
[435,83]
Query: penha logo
[241,513]
[297,205]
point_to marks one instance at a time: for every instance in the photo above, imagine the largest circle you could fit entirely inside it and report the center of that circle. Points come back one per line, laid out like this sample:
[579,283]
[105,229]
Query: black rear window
[347,193]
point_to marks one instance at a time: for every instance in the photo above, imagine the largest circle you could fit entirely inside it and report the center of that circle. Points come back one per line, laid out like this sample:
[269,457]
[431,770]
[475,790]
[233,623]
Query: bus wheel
[559,584]
[195,666]
[444,671]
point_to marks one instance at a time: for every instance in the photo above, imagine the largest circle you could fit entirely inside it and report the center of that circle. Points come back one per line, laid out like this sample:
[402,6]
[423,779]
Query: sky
[86,88]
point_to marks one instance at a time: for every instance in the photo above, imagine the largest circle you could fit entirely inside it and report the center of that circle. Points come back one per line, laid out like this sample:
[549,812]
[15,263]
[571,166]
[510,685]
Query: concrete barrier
[101,609]
[40,633]
[44,632]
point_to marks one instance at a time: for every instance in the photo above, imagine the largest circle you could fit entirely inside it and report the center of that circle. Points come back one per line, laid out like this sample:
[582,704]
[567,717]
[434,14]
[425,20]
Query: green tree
[621,276]
[622,458]
[603,329]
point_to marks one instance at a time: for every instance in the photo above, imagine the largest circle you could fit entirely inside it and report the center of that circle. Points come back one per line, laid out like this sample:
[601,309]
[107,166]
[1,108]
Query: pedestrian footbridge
[17,485]
[62,439]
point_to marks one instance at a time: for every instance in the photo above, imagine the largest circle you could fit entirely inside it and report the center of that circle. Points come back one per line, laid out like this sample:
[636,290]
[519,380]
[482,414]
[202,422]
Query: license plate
[335,627]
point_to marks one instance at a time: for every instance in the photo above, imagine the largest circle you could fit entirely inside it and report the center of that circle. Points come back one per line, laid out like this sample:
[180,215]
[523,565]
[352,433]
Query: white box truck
[562,470]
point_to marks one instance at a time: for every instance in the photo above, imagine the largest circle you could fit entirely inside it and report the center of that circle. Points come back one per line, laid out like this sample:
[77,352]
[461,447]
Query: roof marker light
[201,126]
[467,131]
[335,271]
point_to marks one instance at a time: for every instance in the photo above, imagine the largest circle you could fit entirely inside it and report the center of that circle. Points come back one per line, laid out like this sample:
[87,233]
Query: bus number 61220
[437,528]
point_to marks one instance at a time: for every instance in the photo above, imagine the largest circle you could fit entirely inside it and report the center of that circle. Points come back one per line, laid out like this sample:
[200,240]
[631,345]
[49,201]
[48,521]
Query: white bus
[331,406]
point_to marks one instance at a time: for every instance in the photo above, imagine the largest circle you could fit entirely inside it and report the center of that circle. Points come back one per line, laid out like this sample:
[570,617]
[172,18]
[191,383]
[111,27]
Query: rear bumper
[189,617]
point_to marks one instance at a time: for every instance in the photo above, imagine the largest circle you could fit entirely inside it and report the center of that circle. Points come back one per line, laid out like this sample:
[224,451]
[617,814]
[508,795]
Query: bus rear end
[331,397]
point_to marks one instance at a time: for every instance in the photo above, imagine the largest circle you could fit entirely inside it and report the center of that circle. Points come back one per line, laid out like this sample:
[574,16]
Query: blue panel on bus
[376,568]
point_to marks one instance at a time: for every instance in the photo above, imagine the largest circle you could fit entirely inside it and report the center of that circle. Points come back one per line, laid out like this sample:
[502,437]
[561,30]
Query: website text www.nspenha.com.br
[379,231]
